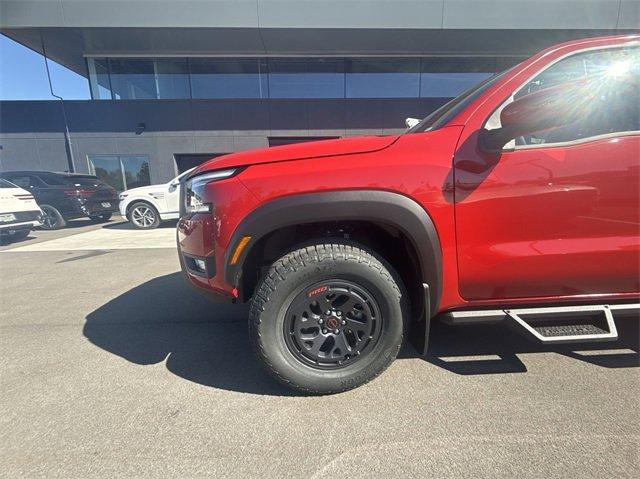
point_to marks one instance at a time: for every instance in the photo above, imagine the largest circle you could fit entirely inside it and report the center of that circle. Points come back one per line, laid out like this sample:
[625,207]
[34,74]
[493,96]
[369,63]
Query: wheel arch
[133,201]
[392,213]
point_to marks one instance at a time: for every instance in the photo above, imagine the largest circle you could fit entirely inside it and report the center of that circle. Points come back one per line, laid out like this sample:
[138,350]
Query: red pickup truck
[518,201]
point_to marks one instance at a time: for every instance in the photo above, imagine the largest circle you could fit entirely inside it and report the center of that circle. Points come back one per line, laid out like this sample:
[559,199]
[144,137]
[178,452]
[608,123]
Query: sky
[23,76]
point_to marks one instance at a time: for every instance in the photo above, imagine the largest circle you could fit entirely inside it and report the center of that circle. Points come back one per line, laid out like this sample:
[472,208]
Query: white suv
[19,212]
[147,206]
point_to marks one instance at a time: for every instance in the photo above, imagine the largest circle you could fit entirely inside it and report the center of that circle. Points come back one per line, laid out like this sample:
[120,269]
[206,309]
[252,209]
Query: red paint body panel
[526,226]
[299,151]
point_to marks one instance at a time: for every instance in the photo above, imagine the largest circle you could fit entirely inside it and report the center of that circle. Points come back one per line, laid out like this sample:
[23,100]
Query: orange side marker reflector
[242,244]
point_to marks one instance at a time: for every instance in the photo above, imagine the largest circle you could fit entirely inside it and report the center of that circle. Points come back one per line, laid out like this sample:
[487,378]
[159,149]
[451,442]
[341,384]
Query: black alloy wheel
[328,317]
[332,324]
[51,218]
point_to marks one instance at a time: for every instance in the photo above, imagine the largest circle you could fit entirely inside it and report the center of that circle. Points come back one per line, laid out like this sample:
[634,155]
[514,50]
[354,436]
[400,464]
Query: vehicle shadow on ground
[494,348]
[207,343]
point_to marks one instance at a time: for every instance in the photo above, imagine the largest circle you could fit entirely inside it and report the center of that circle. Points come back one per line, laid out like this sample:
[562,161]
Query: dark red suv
[518,201]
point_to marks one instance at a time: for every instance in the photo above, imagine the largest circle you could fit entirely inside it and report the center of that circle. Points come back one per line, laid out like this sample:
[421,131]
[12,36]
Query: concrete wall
[32,132]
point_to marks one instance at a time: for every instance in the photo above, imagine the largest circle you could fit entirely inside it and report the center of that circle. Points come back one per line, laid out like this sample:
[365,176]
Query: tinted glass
[99,78]
[449,110]
[121,172]
[24,181]
[232,78]
[107,169]
[612,102]
[310,78]
[52,179]
[6,184]
[221,78]
[86,181]
[382,78]
[132,79]
[172,78]
[136,171]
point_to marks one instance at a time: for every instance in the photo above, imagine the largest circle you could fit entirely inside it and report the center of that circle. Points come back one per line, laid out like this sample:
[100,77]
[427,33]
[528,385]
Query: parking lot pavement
[112,367]
[109,236]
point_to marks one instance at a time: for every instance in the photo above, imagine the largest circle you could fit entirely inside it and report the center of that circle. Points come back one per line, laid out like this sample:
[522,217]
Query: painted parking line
[106,239]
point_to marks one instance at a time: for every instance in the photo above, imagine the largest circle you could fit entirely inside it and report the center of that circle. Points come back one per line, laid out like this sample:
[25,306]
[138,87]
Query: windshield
[182,175]
[449,110]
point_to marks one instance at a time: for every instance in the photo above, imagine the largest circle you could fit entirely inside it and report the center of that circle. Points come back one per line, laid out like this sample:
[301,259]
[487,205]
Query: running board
[556,325]
[578,324]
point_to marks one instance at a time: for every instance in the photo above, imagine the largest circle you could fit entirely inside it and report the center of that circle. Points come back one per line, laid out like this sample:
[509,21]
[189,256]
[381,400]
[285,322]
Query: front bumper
[204,238]
[198,280]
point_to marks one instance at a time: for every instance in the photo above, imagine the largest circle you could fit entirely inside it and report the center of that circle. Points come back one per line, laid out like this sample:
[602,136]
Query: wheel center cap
[332,323]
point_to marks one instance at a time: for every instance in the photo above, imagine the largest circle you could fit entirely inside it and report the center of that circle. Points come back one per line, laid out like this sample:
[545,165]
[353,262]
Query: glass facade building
[293,78]
[146,89]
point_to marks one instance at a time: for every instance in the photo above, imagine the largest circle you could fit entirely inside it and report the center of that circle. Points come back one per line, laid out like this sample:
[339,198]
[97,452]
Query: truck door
[557,213]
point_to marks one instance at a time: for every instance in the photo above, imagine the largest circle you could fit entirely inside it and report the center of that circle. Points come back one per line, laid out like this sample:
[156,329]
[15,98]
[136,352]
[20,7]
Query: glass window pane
[232,78]
[99,78]
[614,74]
[447,77]
[107,169]
[383,78]
[136,171]
[306,78]
[172,77]
[132,79]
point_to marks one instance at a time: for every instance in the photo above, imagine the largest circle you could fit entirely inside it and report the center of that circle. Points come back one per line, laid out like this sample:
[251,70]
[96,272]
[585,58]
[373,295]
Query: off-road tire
[303,268]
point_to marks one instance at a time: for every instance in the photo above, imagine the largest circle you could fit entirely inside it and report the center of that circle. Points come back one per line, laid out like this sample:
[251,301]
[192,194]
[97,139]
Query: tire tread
[304,256]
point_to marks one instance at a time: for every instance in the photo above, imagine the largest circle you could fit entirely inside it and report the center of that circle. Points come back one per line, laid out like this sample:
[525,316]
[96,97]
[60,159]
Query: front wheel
[144,216]
[328,317]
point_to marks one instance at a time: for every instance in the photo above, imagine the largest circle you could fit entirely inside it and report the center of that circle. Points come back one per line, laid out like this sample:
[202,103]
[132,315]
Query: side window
[611,75]
[22,181]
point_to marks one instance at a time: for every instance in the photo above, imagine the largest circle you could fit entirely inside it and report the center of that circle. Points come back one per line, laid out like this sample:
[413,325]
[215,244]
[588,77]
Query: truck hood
[299,151]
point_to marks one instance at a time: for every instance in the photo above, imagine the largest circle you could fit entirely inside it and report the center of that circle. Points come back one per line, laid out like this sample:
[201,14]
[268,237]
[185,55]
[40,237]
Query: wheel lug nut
[328,313]
[338,313]
[320,321]
[343,322]
[324,331]
[335,331]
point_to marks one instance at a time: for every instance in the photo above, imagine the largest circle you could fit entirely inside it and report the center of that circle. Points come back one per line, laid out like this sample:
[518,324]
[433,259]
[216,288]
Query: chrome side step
[553,325]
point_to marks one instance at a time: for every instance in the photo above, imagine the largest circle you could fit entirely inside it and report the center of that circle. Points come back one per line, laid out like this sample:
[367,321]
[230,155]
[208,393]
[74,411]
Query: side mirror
[411,122]
[174,183]
[546,109]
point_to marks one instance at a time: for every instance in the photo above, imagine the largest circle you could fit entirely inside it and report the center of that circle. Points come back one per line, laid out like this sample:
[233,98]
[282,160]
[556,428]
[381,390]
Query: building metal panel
[403,14]
[529,14]
[160,13]
[629,16]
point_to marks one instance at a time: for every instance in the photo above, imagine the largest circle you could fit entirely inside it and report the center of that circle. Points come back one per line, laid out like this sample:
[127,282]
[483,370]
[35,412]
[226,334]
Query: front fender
[383,207]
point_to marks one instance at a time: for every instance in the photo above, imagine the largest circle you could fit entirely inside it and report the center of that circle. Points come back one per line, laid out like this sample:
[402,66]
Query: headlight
[194,190]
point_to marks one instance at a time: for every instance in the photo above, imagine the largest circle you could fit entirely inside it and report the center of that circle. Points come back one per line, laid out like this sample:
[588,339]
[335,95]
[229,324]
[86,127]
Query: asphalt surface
[111,367]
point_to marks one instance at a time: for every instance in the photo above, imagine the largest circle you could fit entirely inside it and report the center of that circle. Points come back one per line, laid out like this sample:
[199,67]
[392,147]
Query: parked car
[19,212]
[145,207]
[64,197]
[517,202]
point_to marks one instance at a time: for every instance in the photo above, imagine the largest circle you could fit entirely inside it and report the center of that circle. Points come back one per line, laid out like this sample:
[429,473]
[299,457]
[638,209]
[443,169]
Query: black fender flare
[383,207]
